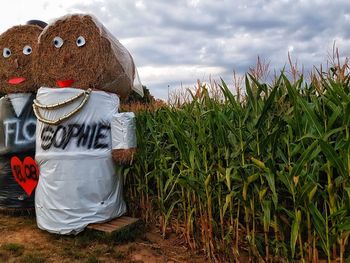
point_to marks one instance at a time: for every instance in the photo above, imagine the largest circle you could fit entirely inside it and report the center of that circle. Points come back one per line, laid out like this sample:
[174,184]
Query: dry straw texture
[124,156]
[18,64]
[95,65]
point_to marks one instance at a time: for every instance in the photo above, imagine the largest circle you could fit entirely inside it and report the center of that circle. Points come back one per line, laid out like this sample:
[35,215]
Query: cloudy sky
[176,42]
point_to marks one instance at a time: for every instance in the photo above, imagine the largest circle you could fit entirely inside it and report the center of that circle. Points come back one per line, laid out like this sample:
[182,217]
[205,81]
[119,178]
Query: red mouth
[15,81]
[64,83]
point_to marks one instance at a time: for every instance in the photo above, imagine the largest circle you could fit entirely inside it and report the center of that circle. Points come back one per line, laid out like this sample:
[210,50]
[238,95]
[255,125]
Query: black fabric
[17,138]
[40,23]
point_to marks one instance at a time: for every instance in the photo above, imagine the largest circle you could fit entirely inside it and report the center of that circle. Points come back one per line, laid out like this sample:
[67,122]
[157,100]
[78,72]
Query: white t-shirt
[77,182]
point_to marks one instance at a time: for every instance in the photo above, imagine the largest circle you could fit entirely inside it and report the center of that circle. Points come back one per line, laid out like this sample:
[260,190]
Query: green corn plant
[267,173]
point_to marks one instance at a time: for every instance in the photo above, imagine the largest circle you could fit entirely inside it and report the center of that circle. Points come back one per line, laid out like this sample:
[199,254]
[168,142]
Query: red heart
[26,174]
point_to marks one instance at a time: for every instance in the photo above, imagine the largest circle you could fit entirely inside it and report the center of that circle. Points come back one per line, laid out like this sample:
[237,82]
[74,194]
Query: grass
[11,250]
[33,257]
[88,246]
[22,241]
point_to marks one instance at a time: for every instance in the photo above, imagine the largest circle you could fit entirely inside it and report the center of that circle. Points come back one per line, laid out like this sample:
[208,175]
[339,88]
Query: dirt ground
[22,241]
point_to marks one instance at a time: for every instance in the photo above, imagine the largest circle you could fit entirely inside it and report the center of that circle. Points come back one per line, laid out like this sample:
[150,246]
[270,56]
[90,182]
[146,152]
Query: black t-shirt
[17,141]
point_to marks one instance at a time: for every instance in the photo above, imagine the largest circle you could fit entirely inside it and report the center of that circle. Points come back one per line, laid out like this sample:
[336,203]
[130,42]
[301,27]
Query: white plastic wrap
[137,87]
[124,56]
[77,183]
[123,130]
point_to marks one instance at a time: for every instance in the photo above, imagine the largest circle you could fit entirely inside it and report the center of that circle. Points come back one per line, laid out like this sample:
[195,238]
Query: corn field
[266,175]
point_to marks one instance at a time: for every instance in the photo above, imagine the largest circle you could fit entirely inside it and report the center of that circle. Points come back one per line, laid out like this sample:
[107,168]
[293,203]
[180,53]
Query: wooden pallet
[114,225]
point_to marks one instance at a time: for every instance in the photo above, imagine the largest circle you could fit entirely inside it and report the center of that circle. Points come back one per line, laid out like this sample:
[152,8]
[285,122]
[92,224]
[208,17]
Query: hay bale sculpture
[18,171]
[83,71]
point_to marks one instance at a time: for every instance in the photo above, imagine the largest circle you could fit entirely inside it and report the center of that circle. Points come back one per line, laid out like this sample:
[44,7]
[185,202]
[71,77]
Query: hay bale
[101,63]
[18,64]
[123,156]
[16,76]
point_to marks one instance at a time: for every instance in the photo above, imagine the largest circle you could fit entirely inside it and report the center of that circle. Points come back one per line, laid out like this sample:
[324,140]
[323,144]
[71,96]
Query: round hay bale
[86,56]
[16,64]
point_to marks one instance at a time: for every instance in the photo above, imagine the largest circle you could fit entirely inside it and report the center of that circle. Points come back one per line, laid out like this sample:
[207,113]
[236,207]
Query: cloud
[15,12]
[180,41]
[171,39]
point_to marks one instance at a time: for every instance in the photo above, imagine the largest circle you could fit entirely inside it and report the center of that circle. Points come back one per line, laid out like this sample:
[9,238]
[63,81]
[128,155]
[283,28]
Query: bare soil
[22,241]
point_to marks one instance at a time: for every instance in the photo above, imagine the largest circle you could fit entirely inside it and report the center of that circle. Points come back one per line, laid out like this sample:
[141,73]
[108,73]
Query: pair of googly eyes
[58,42]
[6,52]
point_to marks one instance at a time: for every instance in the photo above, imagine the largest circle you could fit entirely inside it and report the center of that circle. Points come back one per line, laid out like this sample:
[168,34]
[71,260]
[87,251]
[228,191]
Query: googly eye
[27,50]
[57,42]
[6,52]
[80,41]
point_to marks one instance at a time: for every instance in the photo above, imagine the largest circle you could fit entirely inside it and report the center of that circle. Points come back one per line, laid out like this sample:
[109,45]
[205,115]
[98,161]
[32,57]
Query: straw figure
[83,71]
[18,171]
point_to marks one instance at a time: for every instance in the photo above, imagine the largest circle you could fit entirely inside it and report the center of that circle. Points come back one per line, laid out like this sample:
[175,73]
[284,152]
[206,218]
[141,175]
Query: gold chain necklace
[37,106]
